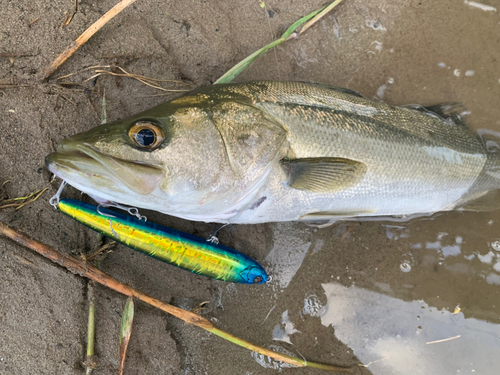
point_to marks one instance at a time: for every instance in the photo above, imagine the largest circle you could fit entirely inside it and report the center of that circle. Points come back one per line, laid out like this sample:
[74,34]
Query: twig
[84,70]
[82,39]
[269,313]
[34,196]
[443,340]
[86,270]
[153,79]
[15,86]
[372,362]
[33,22]
[69,18]
[151,82]
[9,205]
[320,15]
[32,199]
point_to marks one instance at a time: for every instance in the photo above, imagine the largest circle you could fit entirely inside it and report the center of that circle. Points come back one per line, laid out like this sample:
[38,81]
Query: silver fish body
[281,151]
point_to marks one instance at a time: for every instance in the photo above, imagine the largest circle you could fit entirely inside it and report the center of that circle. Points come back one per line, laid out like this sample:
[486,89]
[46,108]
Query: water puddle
[397,337]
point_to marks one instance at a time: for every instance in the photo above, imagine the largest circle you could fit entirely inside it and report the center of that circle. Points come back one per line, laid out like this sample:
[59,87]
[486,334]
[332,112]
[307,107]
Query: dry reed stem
[320,15]
[87,34]
[83,269]
[148,81]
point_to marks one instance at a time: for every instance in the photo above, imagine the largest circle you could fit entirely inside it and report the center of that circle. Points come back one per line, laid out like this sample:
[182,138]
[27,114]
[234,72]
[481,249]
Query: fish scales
[280,151]
[446,159]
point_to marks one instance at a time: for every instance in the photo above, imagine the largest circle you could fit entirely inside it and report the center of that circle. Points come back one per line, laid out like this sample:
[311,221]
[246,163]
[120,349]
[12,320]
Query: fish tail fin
[490,176]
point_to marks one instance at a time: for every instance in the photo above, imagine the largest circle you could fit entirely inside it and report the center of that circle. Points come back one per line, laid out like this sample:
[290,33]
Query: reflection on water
[409,298]
[409,337]
[287,254]
[271,363]
[283,331]
[312,305]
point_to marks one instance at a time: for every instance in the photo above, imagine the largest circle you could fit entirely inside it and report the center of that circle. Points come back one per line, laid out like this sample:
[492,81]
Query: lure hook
[213,237]
[131,210]
[103,213]
[54,201]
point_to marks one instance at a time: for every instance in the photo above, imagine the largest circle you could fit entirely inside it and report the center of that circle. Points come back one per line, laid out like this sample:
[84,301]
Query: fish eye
[146,134]
[257,280]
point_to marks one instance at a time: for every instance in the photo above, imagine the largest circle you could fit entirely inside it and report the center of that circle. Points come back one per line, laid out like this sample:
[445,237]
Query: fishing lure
[179,249]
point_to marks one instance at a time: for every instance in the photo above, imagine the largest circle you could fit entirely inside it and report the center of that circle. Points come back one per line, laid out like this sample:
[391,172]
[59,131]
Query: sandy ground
[354,292]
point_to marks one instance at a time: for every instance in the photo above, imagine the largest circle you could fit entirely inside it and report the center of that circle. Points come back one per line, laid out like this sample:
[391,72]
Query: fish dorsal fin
[335,88]
[346,91]
[447,111]
[323,175]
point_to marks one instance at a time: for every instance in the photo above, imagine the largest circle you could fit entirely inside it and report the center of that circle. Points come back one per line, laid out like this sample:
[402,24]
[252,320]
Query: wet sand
[382,294]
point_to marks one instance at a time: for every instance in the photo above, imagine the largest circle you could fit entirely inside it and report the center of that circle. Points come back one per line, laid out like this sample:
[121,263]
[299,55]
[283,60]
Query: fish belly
[374,196]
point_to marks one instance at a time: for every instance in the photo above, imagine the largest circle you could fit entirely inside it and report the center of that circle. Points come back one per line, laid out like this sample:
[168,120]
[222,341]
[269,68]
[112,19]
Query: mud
[377,293]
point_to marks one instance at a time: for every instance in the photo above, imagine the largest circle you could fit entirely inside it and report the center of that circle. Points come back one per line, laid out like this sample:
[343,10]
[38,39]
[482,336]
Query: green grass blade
[126,331]
[243,64]
[91,360]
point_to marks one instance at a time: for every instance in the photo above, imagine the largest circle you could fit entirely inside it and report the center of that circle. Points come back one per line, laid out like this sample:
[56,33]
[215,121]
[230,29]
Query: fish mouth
[80,164]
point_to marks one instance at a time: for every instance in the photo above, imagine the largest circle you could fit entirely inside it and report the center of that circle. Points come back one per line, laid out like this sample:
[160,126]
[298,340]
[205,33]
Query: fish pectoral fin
[334,215]
[323,175]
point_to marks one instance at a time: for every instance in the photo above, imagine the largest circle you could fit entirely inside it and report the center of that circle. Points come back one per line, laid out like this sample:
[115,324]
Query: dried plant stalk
[81,268]
[82,39]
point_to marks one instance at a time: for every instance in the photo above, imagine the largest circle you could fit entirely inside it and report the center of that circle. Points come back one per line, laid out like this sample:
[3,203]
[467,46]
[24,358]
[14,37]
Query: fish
[168,245]
[265,151]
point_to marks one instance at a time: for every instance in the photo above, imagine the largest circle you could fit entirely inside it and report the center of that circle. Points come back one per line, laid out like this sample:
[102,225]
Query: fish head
[173,158]
[95,161]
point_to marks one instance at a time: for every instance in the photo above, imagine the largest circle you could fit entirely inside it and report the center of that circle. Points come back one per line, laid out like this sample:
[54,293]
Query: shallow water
[400,298]
[413,298]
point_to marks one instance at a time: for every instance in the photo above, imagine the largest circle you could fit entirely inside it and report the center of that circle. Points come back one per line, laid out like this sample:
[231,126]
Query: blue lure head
[254,275]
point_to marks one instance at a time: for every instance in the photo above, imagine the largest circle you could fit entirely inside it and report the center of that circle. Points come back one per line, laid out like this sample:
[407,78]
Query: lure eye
[257,280]
[146,134]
